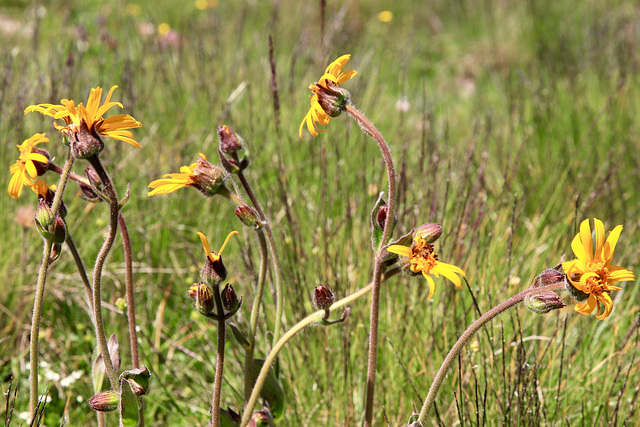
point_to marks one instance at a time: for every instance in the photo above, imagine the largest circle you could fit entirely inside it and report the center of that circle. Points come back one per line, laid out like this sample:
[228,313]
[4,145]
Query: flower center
[597,284]
[423,257]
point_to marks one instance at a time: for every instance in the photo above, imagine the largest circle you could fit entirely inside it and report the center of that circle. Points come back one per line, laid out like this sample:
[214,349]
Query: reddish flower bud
[322,297]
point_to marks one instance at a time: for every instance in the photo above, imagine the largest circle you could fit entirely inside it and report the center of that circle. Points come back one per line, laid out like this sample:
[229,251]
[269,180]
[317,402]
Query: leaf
[129,406]
[239,336]
[272,391]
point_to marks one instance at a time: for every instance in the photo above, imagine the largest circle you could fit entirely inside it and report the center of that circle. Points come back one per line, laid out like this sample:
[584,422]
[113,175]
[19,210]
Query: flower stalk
[217,382]
[469,333]
[39,297]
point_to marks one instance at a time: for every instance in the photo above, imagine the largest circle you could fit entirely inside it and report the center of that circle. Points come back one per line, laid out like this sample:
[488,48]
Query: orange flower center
[423,257]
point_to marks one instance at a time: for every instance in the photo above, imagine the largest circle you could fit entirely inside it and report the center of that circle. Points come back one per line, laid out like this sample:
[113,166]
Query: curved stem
[279,345]
[97,270]
[275,259]
[128,278]
[39,297]
[81,269]
[217,382]
[253,324]
[468,334]
[371,130]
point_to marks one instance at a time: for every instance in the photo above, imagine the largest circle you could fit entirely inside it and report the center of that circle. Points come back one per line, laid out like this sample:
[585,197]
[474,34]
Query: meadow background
[510,122]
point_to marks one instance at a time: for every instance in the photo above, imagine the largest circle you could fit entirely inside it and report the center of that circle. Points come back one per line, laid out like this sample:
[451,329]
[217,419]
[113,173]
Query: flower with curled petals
[31,163]
[204,176]
[423,259]
[591,272]
[328,99]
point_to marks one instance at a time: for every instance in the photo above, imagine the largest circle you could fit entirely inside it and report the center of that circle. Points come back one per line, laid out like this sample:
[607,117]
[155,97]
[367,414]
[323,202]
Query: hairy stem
[128,278]
[217,382]
[110,192]
[39,297]
[81,269]
[371,130]
[275,259]
[287,336]
[468,334]
[253,323]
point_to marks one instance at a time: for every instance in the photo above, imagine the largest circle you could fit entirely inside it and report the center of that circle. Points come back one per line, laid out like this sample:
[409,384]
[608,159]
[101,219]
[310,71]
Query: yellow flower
[29,165]
[214,256]
[213,272]
[202,175]
[423,259]
[592,273]
[325,90]
[41,188]
[92,115]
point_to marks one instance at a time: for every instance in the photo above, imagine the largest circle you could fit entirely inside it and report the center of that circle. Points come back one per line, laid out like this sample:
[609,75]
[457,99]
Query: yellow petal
[205,244]
[599,231]
[586,307]
[585,238]
[432,285]
[610,244]
[608,306]
[400,250]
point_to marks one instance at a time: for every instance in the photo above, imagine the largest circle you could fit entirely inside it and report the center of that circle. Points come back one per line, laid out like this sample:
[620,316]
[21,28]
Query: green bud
[104,402]
[202,297]
[249,217]
[44,215]
[429,232]
[230,299]
[543,302]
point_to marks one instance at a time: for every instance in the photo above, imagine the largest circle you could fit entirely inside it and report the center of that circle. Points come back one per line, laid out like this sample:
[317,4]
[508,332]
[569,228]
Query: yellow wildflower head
[421,258]
[328,99]
[213,271]
[31,164]
[204,176]
[85,125]
[591,272]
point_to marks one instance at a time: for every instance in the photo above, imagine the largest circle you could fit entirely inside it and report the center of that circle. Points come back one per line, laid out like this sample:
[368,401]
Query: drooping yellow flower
[202,175]
[325,95]
[423,259]
[113,127]
[26,169]
[591,272]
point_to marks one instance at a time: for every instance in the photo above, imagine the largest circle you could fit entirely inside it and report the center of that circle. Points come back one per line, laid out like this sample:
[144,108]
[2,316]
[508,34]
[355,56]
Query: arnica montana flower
[31,163]
[328,100]
[423,259]
[92,116]
[592,272]
[204,176]
[213,271]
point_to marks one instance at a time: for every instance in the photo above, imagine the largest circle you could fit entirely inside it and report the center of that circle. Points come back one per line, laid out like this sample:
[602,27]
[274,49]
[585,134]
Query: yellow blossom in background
[591,272]
[24,171]
[202,175]
[41,188]
[133,9]
[163,29]
[385,16]
[175,181]
[92,115]
[206,4]
[332,78]
[423,259]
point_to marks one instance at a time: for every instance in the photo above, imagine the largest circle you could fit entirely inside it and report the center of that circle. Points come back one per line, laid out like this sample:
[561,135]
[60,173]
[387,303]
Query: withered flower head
[202,175]
[322,297]
[214,270]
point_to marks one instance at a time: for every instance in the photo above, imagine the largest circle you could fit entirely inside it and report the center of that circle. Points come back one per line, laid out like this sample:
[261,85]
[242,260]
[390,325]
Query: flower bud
[214,272]
[381,216]
[138,380]
[44,215]
[104,402]
[230,141]
[543,302]
[231,165]
[95,181]
[230,299]
[59,230]
[548,277]
[55,252]
[84,142]
[332,99]
[249,217]
[429,232]
[261,419]
[322,297]
[202,298]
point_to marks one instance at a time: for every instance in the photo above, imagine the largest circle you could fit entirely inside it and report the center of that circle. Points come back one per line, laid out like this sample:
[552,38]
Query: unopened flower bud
[104,402]
[84,142]
[261,419]
[429,232]
[548,277]
[56,249]
[230,141]
[249,217]
[59,230]
[229,164]
[381,216]
[138,379]
[214,272]
[230,298]
[95,181]
[543,302]
[44,215]
[202,298]
[322,297]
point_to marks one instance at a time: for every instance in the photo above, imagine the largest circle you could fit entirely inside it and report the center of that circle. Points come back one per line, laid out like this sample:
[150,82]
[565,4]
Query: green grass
[522,122]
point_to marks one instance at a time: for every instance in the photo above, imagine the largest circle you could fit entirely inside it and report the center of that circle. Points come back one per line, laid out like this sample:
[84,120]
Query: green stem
[371,130]
[217,382]
[279,345]
[99,265]
[39,297]
[81,269]
[468,334]
[275,259]
[253,323]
